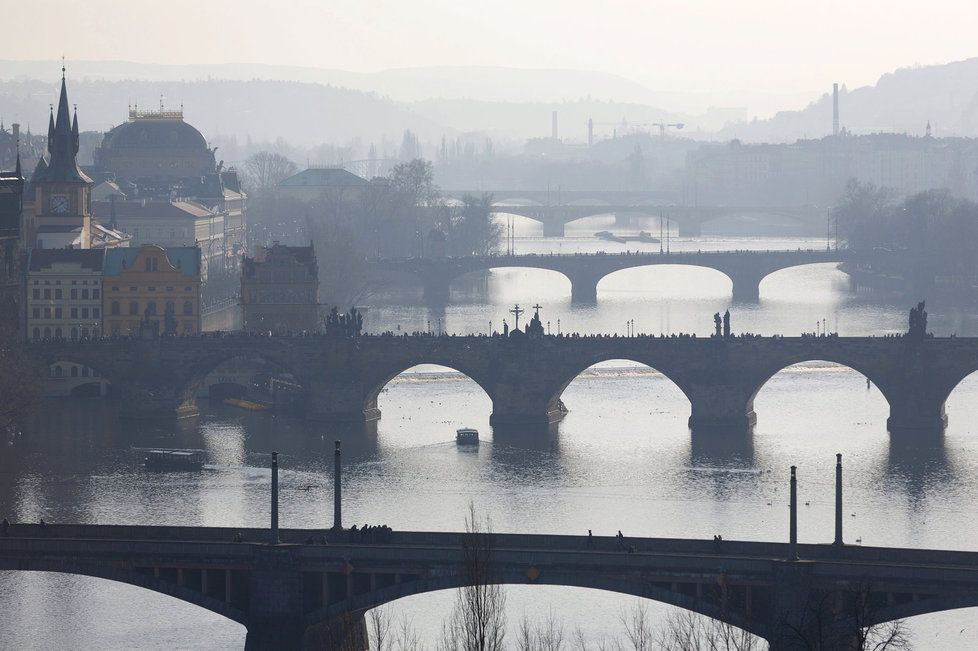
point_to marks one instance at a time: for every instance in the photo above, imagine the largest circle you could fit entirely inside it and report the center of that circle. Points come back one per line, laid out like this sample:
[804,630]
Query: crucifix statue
[537,308]
[517,311]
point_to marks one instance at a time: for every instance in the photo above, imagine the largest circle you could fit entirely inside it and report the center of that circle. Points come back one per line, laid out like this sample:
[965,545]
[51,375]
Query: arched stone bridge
[555,210]
[302,594]
[746,269]
[523,377]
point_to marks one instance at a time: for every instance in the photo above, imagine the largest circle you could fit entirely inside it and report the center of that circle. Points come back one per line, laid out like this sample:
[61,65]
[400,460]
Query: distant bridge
[746,269]
[525,377]
[570,206]
[304,594]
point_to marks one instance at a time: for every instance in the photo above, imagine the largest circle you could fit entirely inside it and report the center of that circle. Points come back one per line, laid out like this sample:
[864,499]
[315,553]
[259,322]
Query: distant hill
[901,101]
[302,113]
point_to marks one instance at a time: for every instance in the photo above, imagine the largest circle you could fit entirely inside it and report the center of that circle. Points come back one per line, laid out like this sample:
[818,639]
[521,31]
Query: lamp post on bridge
[793,518]
[838,501]
[274,523]
[337,490]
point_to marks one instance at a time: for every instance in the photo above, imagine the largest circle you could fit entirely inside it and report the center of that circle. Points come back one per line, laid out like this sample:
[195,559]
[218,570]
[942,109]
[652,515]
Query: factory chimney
[835,109]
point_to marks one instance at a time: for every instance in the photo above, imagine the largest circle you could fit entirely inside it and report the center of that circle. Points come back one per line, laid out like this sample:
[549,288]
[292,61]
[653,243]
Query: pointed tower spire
[74,131]
[51,130]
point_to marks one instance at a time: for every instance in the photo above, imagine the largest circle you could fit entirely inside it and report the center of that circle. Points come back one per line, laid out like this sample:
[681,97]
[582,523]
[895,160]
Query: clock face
[59,203]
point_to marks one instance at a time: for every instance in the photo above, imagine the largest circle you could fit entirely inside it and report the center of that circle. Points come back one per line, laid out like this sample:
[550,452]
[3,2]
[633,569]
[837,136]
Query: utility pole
[793,518]
[838,501]
[337,490]
[274,523]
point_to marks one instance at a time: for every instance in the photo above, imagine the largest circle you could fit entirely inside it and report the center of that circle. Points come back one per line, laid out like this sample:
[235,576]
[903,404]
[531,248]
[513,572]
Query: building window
[85,293]
[57,313]
[36,294]
[151,308]
[74,313]
[58,372]
[74,334]
[96,294]
[133,308]
[57,333]
[57,293]
[95,312]
[74,371]
[170,308]
[188,308]
[36,313]
[47,293]
[37,333]
[152,264]
[47,313]
[73,293]
[115,308]
[84,312]
[84,371]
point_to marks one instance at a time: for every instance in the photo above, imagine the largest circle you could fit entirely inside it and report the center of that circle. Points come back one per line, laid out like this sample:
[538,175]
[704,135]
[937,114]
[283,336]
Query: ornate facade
[280,290]
[151,289]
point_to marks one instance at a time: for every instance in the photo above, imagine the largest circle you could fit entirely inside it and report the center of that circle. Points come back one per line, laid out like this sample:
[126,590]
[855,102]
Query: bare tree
[478,621]
[379,627]
[689,631]
[846,619]
[548,636]
[264,170]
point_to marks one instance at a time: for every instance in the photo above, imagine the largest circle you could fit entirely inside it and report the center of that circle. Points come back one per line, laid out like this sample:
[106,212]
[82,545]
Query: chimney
[590,132]
[835,109]
[16,128]
[553,125]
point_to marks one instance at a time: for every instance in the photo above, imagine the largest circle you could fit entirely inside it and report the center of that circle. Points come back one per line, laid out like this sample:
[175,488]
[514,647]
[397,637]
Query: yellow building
[151,289]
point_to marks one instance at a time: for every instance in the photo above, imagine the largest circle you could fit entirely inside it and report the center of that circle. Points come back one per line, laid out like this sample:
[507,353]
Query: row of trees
[401,215]
[929,235]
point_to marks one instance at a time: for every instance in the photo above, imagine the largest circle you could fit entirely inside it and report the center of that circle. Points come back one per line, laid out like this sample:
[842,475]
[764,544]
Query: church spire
[63,141]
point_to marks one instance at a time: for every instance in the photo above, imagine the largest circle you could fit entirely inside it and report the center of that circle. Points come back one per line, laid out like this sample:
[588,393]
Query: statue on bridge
[535,327]
[717,325]
[726,324]
[344,326]
[918,321]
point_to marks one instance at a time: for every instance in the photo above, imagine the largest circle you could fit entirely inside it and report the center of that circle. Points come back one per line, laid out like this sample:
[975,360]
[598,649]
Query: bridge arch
[878,379]
[701,272]
[628,586]
[556,400]
[196,374]
[220,605]
[382,378]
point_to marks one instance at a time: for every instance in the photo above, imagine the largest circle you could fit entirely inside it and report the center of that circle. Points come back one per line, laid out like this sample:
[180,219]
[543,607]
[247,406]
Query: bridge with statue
[524,376]
[310,588]
[746,269]
[572,205]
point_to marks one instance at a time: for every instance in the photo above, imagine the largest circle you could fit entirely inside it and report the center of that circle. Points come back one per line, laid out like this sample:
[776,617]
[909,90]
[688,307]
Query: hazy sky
[763,45]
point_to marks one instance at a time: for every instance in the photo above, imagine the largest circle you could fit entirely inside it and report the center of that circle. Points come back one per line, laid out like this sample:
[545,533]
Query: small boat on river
[175,459]
[250,405]
[467,436]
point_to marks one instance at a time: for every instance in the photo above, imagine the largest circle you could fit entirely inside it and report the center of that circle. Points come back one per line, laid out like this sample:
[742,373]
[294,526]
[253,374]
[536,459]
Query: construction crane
[625,125]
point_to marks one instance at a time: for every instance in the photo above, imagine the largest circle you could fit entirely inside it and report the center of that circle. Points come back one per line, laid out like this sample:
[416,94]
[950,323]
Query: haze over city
[475,327]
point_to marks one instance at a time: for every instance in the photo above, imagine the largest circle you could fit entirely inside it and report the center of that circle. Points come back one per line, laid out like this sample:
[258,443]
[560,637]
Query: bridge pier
[275,601]
[746,286]
[908,418]
[553,228]
[690,228]
[584,288]
[339,401]
[720,408]
[437,289]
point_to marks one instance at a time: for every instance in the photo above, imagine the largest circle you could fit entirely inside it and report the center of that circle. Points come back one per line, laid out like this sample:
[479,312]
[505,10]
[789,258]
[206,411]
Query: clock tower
[59,199]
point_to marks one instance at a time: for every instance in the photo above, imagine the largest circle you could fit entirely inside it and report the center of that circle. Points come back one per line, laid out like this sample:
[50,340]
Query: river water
[622,459]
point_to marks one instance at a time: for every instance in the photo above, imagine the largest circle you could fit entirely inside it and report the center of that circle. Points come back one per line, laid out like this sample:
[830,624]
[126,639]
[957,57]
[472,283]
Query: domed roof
[148,133]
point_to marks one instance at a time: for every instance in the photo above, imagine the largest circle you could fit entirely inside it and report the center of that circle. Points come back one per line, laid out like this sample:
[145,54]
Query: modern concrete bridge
[302,593]
[573,205]
[746,269]
[525,376]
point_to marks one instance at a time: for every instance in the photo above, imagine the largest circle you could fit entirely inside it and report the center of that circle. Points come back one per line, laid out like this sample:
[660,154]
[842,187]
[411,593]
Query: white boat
[467,436]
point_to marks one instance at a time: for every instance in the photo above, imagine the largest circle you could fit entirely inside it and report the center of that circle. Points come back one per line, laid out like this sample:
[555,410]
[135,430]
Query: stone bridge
[301,593]
[746,269]
[574,205]
[525,377]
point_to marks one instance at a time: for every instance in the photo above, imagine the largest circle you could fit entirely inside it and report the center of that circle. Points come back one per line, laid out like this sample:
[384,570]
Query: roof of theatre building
[185,259]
